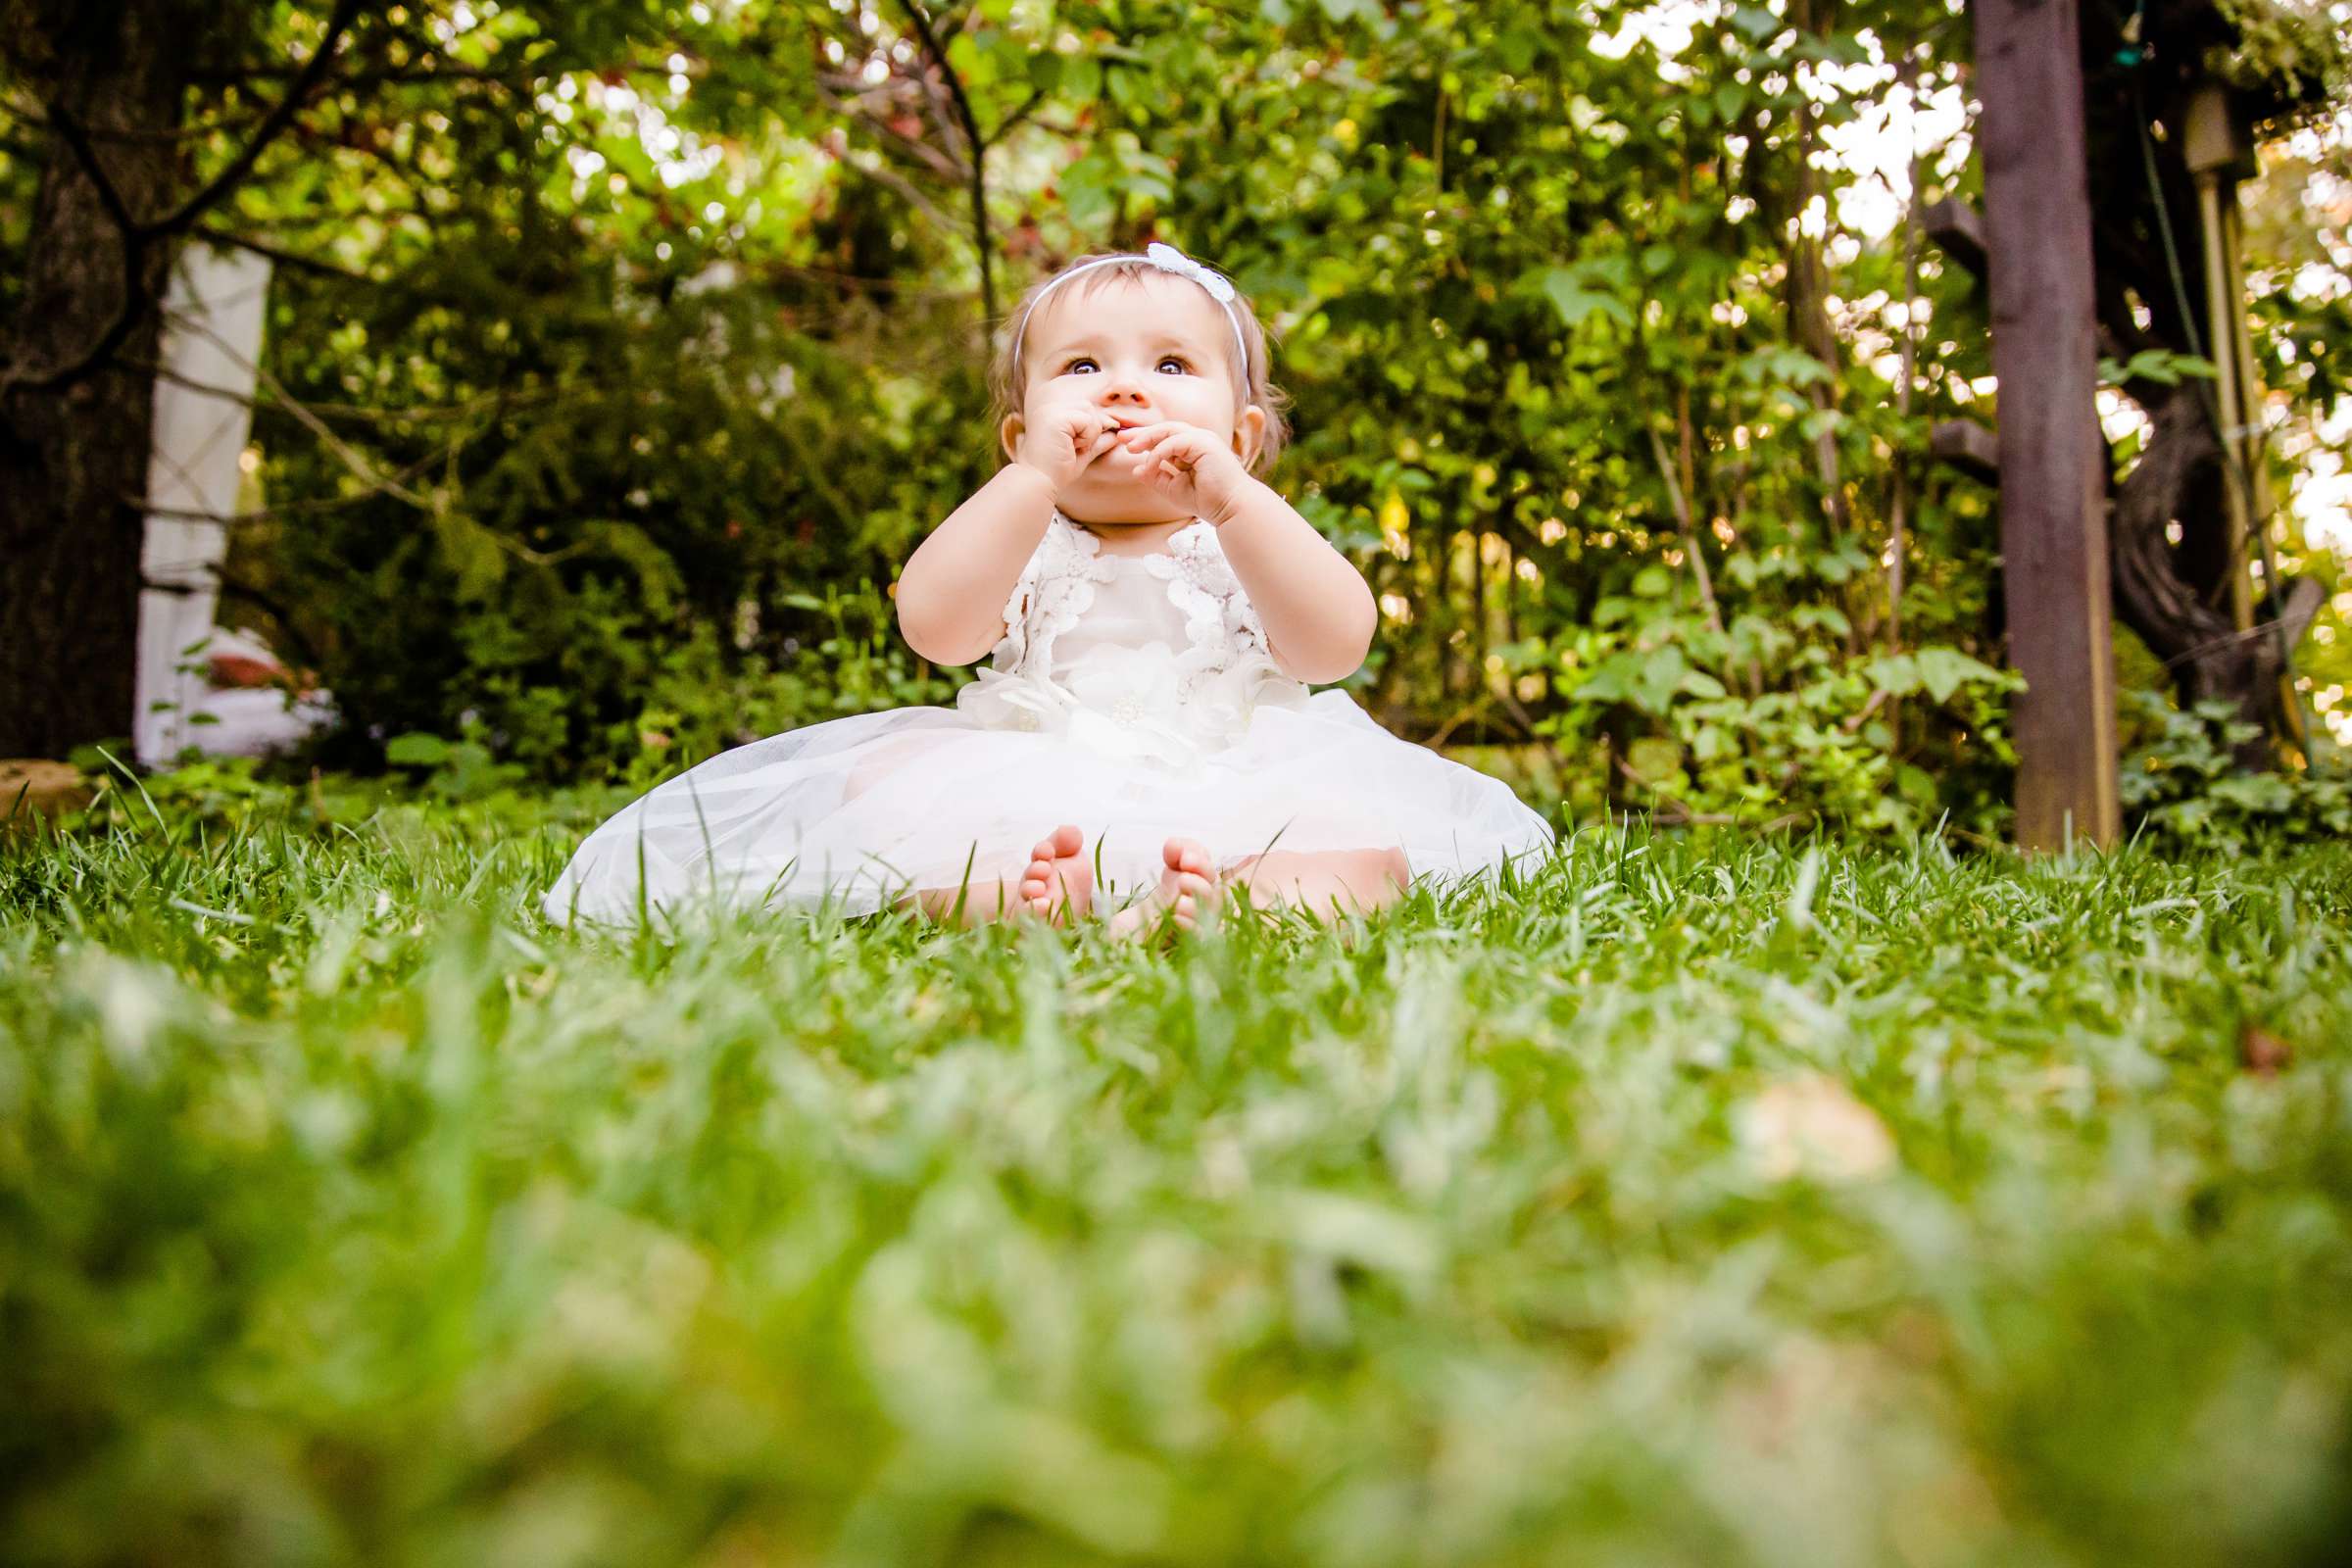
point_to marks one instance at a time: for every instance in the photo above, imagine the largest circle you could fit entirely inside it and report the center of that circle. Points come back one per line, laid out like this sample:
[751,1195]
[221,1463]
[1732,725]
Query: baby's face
[1145,351]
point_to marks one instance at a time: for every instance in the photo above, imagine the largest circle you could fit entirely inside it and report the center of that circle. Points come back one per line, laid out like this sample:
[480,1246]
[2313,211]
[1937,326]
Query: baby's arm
[953,589]
[1317,608]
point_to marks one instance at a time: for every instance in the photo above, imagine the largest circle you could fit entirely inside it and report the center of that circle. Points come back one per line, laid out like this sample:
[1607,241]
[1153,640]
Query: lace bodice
[1057,587]
[1089,645]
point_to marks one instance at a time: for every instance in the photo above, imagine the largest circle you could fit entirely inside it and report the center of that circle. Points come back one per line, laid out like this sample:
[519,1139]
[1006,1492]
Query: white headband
[1168,259]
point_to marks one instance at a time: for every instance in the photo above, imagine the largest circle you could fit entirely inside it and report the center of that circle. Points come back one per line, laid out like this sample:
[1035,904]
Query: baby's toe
[1186,855]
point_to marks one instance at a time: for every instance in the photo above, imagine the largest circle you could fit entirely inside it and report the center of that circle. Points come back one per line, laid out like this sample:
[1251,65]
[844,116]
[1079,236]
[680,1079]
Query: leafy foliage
[2184,787]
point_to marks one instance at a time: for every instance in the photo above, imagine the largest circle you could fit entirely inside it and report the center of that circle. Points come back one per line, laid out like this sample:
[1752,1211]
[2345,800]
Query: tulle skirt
[853,813]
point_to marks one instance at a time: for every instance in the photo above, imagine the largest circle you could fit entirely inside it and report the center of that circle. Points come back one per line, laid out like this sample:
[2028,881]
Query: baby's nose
[1122,388]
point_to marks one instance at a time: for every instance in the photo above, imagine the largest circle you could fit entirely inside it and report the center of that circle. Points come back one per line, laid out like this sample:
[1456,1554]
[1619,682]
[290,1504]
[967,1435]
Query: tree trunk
[74,452]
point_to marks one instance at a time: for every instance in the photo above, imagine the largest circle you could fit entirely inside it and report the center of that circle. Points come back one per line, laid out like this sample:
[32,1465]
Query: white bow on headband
[1168,259]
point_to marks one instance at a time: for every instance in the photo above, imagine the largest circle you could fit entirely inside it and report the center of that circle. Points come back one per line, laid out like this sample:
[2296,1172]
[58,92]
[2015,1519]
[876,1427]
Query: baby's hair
[1009,372]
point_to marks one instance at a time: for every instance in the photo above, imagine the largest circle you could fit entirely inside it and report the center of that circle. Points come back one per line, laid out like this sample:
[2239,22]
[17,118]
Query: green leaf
[1820,423]
[470,552]
[2264,794]
[1566,288]
[1654,759]
[1944,670]
[1896,675]
[1699,683]
[1657,677]
[658,577]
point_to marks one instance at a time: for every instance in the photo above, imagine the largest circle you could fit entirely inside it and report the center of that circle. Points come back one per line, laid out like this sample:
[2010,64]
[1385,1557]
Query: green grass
[1697,1204]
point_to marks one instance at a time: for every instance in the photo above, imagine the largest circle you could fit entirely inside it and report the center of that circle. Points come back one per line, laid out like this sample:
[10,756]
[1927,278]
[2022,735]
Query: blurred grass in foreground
[1695,1204]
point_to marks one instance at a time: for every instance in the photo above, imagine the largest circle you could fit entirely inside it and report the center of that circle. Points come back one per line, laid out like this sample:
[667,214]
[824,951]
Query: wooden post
[2211,151]
[2053,484]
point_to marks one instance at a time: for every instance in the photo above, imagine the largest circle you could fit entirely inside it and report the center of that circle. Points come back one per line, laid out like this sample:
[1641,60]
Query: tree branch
[932,158]
[77,141]
[279,118]
[882,171]
[979,146]
[118,136]
[1012,121]
[135,299]
[137,235]
[278,255]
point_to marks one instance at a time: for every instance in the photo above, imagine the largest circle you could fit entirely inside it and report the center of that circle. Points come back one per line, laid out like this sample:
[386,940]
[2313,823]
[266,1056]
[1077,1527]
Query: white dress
[1133,696]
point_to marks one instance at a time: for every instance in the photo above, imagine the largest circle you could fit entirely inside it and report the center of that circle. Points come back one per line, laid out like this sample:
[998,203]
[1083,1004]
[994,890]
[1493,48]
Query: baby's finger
[1143,437]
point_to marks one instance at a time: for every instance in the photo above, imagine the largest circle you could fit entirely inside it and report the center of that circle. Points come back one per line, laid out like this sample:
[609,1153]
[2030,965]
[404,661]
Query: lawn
[1697,1202]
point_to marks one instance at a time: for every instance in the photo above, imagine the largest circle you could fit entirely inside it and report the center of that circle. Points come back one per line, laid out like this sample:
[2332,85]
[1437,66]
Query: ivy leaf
[2264,794]
[1657,679]
[1567,289]
[1896,675]
[1944,670]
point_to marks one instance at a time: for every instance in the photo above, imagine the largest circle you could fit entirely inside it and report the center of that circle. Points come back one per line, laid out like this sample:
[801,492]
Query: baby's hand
[1188,467]
[1064,437]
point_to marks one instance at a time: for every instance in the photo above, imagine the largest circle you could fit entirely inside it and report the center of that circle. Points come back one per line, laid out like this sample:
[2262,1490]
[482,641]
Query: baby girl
[1156,615]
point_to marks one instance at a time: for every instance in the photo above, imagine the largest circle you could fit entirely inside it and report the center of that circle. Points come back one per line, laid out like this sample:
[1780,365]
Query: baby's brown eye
[1076,363]
[1181,367]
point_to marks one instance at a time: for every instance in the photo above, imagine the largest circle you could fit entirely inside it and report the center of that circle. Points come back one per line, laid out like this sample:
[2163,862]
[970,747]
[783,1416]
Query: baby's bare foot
[1058,886]
[1188,886]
